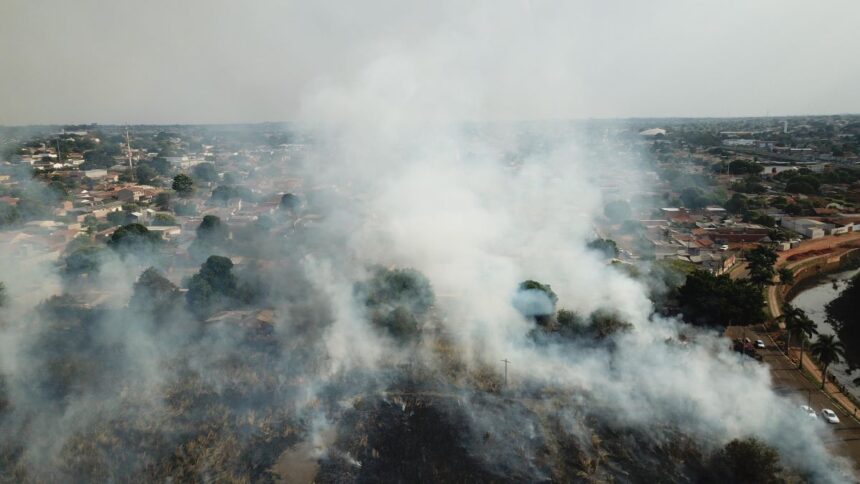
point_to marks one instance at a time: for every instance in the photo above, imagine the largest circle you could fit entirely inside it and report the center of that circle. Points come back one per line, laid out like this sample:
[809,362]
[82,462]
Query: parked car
[830,416]
[809,411]
[759,344]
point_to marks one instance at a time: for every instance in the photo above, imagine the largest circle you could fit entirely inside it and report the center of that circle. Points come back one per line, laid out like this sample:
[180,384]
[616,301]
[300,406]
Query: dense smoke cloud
[402,178]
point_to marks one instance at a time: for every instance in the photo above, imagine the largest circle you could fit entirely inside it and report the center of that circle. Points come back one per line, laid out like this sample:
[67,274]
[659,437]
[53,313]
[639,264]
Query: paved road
[788,380]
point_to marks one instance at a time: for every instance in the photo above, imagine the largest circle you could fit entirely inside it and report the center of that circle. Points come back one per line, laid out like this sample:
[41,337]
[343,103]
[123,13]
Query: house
[96,174]
[129,195]
[811,229]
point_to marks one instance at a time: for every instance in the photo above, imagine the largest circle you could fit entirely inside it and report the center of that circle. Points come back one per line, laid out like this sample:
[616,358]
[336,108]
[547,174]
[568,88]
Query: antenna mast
[128,149]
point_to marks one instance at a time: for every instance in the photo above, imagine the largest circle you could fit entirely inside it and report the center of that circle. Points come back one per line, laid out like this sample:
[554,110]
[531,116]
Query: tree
[804,328]
[617,211]
[212,230]
[606,323]
[290,202]
[224,193]
[205,172]
[607,247]
[535,300]
[163,220]
[842,314]
[797,324]
[3,297]
[746,461]
[183,185]
[786,276]
[694,198]
[162,200]
[120,217]
[828,351]
[133,238]
[397,300]
[760,261]
[790,316]
[710,300]
[793,209]
[154,294]
[86,260]
[213,287]
[144,174]
[737,204]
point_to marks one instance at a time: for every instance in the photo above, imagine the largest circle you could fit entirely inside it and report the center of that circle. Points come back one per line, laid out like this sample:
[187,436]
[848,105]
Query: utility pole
[506,362]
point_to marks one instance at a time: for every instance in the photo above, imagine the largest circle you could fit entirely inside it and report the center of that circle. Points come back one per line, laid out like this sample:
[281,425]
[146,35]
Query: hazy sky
[157,61]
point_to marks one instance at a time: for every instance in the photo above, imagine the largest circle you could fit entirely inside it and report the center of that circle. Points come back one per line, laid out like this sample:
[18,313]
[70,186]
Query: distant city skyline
[221,62]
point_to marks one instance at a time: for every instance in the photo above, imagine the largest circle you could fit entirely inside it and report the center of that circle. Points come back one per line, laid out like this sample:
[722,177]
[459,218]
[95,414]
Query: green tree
[212,230]
[797,325]
[162,200]
[183,185]
[205,172]
[694,198]
[607,247]
[133,238]
[144,174]
[155,295]
[397,300]
[710,300]
[760,261]
[786,276]
[536,300]
[842,314]
[828,351]
[3,296]
[214,287]
[737,204]
[163,220]
[86,260]
[745,461]
[790,316]
[804,329]
[290,202]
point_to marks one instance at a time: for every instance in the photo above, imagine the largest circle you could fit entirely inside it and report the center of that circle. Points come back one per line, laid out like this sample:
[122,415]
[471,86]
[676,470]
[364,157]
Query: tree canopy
[155,295]
[710,300]
[842,314]
[535,300]
[205,172]
[213,288]
[183,185]
[607,247]
[745,461]
[133,238]
[396,300]
[760,261]
[290,202]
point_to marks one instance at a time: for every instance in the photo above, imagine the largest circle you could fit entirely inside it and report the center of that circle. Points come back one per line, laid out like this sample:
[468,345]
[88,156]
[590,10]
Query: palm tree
[791,315]
[804,328]
[828,351]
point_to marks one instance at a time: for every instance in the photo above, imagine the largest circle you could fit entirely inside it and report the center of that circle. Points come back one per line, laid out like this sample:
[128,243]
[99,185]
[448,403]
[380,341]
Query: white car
[830,416]
[809,411]
[759,344]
